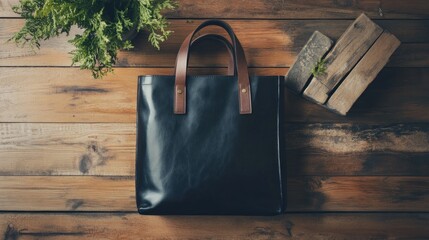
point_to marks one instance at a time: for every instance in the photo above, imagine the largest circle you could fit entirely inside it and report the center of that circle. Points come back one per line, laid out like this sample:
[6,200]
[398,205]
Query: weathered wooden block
[363,74]
[351,46]
[301,70]
[347,70]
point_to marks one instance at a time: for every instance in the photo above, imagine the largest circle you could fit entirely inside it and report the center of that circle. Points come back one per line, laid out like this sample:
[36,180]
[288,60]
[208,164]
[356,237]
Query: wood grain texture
[299,163]
[320,9]
[321,193]
[278,9]
[357,149]
[301,71]
[67,149]
[70,95]
[291,226]
[266,44]
[79,99]
[311,149]
[347,51]
[67,193]
[409,60]
[307,194]
[363,74]
[6,8]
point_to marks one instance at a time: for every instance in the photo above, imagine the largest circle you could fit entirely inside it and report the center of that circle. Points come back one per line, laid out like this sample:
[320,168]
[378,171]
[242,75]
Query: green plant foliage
[105,23]
[320,68]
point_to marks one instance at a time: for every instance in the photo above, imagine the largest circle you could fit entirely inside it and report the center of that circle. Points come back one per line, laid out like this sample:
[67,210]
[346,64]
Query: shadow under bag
[209,144]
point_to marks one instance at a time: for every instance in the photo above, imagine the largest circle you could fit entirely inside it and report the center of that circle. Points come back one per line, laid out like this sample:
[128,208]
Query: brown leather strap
[240,64]
[222,40]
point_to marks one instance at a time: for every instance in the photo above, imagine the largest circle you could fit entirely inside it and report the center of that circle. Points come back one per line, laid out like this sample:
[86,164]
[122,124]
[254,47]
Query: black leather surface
[212,160]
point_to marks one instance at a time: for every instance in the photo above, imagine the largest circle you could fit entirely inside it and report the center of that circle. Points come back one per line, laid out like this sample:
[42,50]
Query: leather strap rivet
[179,91]
[244,90]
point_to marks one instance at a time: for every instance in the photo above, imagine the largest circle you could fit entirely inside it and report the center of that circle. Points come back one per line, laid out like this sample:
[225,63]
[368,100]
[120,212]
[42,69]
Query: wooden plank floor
[67,142]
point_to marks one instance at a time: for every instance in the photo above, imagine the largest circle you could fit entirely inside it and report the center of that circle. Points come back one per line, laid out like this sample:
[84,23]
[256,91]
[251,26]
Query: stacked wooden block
[352,64]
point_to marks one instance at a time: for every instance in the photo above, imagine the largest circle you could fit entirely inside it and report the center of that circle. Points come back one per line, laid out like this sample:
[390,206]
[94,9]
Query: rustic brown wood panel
[311,149]
[406,58]
[307,194]
[70,95]
[267,43]
[290,226]
[300,163]
[357,149]
[78,99]
[358,194]
[67,149]
[280,9]
[67,193]
[305,9]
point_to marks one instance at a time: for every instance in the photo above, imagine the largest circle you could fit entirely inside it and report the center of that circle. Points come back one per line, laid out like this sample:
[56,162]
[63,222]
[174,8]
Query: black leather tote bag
[209,144]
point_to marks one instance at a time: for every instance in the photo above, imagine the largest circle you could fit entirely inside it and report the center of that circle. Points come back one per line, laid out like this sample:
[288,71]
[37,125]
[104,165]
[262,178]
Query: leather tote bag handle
[222,40]
[240,68]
